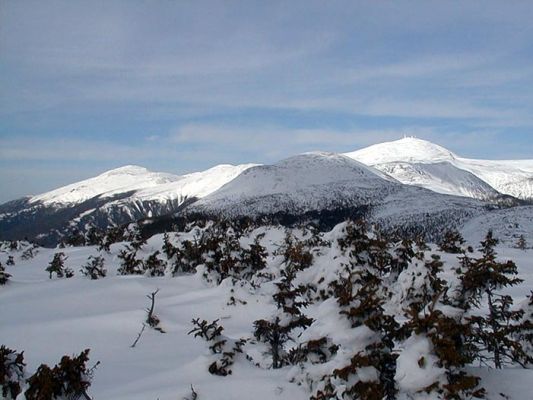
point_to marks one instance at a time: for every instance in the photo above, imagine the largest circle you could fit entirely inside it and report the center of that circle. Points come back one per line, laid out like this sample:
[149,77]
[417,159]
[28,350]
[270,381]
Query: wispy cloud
[186,85]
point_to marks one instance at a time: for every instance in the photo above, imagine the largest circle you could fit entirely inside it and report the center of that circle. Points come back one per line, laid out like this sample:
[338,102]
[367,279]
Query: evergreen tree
[154,266]
[277,331]
[57,266]
[168,248]
[94,236]
[12,368]
[223,348]
[493,333]
[253,258]
[525,336]
[404,252]
[94,268]
[135,237]
[449,336]
[4,276]
[70,379]
[452,242]
[129,263]
[359,297]
[521,243]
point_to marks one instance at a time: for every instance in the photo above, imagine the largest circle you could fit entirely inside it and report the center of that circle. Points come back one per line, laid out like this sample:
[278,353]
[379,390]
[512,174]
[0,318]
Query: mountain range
[405,184]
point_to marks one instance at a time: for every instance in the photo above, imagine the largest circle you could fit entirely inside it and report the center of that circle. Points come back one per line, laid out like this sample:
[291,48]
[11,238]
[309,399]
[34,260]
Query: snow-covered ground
[48,318]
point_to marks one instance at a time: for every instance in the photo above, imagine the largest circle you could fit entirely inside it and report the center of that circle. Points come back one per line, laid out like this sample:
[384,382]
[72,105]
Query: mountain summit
[408,149]
[422,163]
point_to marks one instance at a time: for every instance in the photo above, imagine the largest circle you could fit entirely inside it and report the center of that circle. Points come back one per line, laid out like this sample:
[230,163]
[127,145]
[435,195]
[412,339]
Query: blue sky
[179,86]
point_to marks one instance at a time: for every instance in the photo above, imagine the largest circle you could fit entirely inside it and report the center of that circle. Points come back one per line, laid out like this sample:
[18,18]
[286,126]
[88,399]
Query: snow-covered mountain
[115,197]
[419,162]
[387,182]
[145,184]
[307,182]
[316,183]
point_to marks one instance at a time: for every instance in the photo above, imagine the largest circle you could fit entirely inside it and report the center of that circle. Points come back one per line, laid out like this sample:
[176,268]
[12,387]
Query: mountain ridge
[377,178]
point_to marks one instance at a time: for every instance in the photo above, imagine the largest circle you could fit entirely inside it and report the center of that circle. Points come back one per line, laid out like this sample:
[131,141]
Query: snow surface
[441,177]
[50,318]
[507,224]
[513,177]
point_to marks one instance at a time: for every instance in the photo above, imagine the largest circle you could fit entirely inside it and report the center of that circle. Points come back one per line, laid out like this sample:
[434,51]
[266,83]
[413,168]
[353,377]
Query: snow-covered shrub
[493,334]
[70,379]
[369,366]
[134,235]
[129,263]
[521,243]
[154,266]
[525,336]
[11,373]
[253,258]
[289,316]
[112,235]
[94,268]
[452,242]
[29,252]
[223,348]
[4,276]
[169,250]
[57,266]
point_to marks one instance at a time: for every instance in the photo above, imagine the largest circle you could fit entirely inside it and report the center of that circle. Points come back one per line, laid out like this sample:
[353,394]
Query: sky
[180,86]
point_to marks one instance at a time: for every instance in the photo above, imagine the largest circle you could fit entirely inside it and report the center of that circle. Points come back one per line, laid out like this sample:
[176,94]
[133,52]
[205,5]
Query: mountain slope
[318,184]
[441,177]
[419,162]
[115,197]
[307,182]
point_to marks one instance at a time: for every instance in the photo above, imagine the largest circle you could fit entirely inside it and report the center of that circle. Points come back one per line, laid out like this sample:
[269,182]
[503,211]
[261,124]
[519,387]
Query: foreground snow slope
[409,159]
[49,318]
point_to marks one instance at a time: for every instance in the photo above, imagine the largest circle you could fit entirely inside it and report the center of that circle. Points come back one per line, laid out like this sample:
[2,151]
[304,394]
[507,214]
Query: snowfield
[48,318]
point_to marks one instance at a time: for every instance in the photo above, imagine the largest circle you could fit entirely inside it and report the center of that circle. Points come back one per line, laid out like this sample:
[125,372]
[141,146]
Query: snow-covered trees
[289,316]
[12,369]
[521,243]
[493,333]
[370,370]
[94,268]
[57,266]
[129,263]
[223,348]
[70,379]
[452,242]
[4,276]
[154,266]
